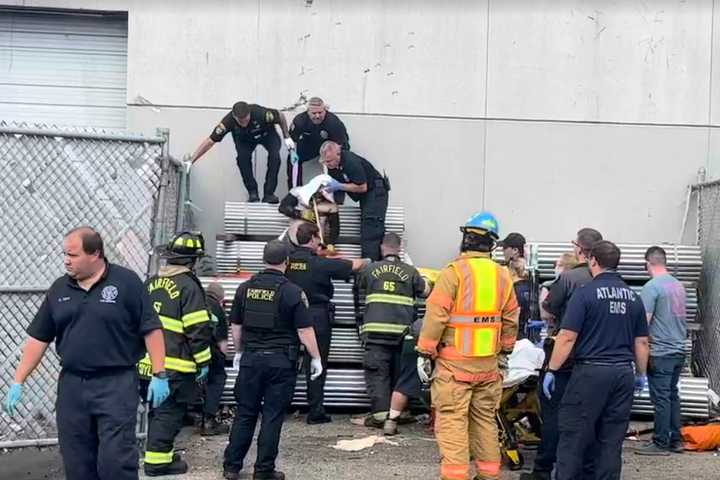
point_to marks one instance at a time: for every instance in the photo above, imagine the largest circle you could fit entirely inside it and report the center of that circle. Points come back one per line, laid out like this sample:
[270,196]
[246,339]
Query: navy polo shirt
[607,316]
[314,274]
[99,329]
[355,169]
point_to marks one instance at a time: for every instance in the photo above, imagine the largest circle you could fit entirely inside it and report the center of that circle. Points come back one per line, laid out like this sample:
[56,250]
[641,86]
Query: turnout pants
[166,421]
[594,416]
[389,368]
[96,415]
[245,149]
[465,427]
[316,388]
[264,385]
[373,209]
[215,383]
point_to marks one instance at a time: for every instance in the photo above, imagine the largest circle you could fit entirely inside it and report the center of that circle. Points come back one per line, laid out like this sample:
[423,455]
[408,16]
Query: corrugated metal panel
[63,69]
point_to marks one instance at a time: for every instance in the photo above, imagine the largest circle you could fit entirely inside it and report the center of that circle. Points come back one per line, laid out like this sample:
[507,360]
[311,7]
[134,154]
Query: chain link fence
[128,188]
[707,348]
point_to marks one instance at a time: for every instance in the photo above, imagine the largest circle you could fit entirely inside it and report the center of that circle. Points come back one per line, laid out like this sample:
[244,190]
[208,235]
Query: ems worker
[390,362]
[606,327]
[314,274]
[268,316]
[362,182]
[309,130]
[470,327]
[252,125]
[215,294]
[99,316]
[561,291]
[179,300]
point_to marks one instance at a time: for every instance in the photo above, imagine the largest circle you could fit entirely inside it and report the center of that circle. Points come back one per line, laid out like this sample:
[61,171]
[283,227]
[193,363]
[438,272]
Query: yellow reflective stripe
[158,458]
[202,356]
[484,272]
[172,324]
[179,241]
[195,317]
[383,328]
[389,298]
[180,365]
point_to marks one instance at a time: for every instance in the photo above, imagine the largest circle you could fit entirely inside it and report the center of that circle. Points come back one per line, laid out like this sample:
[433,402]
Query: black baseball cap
[513,240]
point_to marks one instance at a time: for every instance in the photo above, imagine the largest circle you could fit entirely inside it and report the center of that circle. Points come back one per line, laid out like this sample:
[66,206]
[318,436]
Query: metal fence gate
[126,187]
[707,355]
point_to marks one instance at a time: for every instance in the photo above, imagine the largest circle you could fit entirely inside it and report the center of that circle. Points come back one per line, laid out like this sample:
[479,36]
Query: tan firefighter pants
[465,427]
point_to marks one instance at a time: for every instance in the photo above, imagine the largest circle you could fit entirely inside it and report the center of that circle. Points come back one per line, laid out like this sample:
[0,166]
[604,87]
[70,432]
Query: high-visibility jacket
[471,317]
[391,288]
[179,299]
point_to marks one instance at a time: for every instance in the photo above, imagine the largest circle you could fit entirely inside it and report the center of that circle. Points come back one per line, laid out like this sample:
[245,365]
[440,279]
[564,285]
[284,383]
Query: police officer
[179,299]
[309,130]
[556,302]
[606,327]
[215,294]
[314,274]
[362,182]
[268,316]
[391,287]
[470,326]
[99,315]
[251,125]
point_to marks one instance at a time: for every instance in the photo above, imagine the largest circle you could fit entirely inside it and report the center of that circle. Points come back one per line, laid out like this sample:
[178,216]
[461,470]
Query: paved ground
[306,453]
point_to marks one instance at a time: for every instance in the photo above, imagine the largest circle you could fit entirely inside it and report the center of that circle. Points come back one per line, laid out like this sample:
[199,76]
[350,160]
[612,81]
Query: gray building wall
[553,114]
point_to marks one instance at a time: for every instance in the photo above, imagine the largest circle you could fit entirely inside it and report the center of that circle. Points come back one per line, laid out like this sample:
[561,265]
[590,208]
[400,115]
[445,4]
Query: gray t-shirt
[664,298]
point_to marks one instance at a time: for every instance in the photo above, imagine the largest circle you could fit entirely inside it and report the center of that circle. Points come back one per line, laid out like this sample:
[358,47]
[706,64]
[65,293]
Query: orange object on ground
[701,437]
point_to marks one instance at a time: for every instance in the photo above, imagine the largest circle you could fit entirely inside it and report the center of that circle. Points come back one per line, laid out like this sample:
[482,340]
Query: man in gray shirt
[665,305]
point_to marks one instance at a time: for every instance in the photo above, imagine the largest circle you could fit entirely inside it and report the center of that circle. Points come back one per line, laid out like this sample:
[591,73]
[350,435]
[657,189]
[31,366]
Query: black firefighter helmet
[186,245]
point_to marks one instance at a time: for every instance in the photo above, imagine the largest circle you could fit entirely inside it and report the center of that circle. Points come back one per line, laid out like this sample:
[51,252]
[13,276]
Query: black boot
[333,224]
[213,427]
[253,197]
[269,476]
[271,199]
[177,467]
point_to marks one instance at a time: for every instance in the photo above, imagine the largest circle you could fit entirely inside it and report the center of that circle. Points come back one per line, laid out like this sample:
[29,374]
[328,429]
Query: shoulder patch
[220,128]
[304,299]
[269,117]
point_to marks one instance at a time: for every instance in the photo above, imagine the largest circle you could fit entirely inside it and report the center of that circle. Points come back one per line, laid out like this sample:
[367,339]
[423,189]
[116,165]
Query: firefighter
[179,299]
[391,287]
[470,327]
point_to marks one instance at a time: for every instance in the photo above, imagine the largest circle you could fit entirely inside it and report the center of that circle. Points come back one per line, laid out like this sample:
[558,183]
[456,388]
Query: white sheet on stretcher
[523,363]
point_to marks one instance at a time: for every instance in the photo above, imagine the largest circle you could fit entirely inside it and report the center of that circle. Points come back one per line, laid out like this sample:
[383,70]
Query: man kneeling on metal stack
[179,299]
[311,203]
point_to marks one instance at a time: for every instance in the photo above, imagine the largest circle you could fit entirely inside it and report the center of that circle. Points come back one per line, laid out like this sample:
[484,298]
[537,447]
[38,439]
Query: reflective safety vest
[179,300]
[391,287]
[475,324]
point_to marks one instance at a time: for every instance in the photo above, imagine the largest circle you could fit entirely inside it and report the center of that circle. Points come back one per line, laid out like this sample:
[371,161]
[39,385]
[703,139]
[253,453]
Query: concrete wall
[554,114]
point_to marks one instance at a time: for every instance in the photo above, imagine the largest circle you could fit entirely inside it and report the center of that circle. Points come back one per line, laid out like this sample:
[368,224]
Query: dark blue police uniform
[373,203]
[270,310]
[314,275]
[595,410]
[99,336]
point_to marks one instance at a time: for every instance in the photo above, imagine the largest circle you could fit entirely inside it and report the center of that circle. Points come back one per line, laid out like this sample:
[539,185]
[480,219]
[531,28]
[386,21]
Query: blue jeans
[663,377]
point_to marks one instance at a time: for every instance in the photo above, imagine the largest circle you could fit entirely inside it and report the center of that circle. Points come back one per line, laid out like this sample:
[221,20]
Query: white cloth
[305,192]
[523,363]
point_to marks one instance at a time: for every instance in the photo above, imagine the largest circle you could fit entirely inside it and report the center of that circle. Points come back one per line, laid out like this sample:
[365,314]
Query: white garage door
[63,69]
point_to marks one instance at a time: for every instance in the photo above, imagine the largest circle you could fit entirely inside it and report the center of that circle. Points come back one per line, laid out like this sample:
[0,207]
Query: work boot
[272,199]
[213,427]
[253,197]
[177,467]
[375,420]
[535,476]
[677,447]
[275,475]
[390,427]
[318,419]
[652,449]
[230,475]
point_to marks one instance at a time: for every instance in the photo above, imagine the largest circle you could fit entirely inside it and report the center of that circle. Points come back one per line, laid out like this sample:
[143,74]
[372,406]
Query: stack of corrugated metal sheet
[694,401]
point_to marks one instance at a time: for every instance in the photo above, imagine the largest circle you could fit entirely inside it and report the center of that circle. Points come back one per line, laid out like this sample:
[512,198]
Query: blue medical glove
[14,397]
[537,324]
[333,186]
[158,390]
[202,374]
[294,159]
[640,382]
[549,384]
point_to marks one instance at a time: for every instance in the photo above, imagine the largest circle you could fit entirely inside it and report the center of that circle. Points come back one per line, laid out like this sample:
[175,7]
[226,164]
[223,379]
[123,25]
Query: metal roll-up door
[64,69]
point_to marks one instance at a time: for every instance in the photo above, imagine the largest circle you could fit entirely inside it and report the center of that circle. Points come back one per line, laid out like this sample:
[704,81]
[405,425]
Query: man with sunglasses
[252,125]
[556,302]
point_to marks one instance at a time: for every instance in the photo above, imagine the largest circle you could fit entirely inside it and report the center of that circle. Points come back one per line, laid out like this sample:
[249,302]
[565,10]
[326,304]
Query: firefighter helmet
[482,223]
[186,245]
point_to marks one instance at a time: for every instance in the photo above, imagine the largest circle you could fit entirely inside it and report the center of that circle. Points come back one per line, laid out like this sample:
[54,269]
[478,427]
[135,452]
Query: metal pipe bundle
[245,218]
[694,401]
